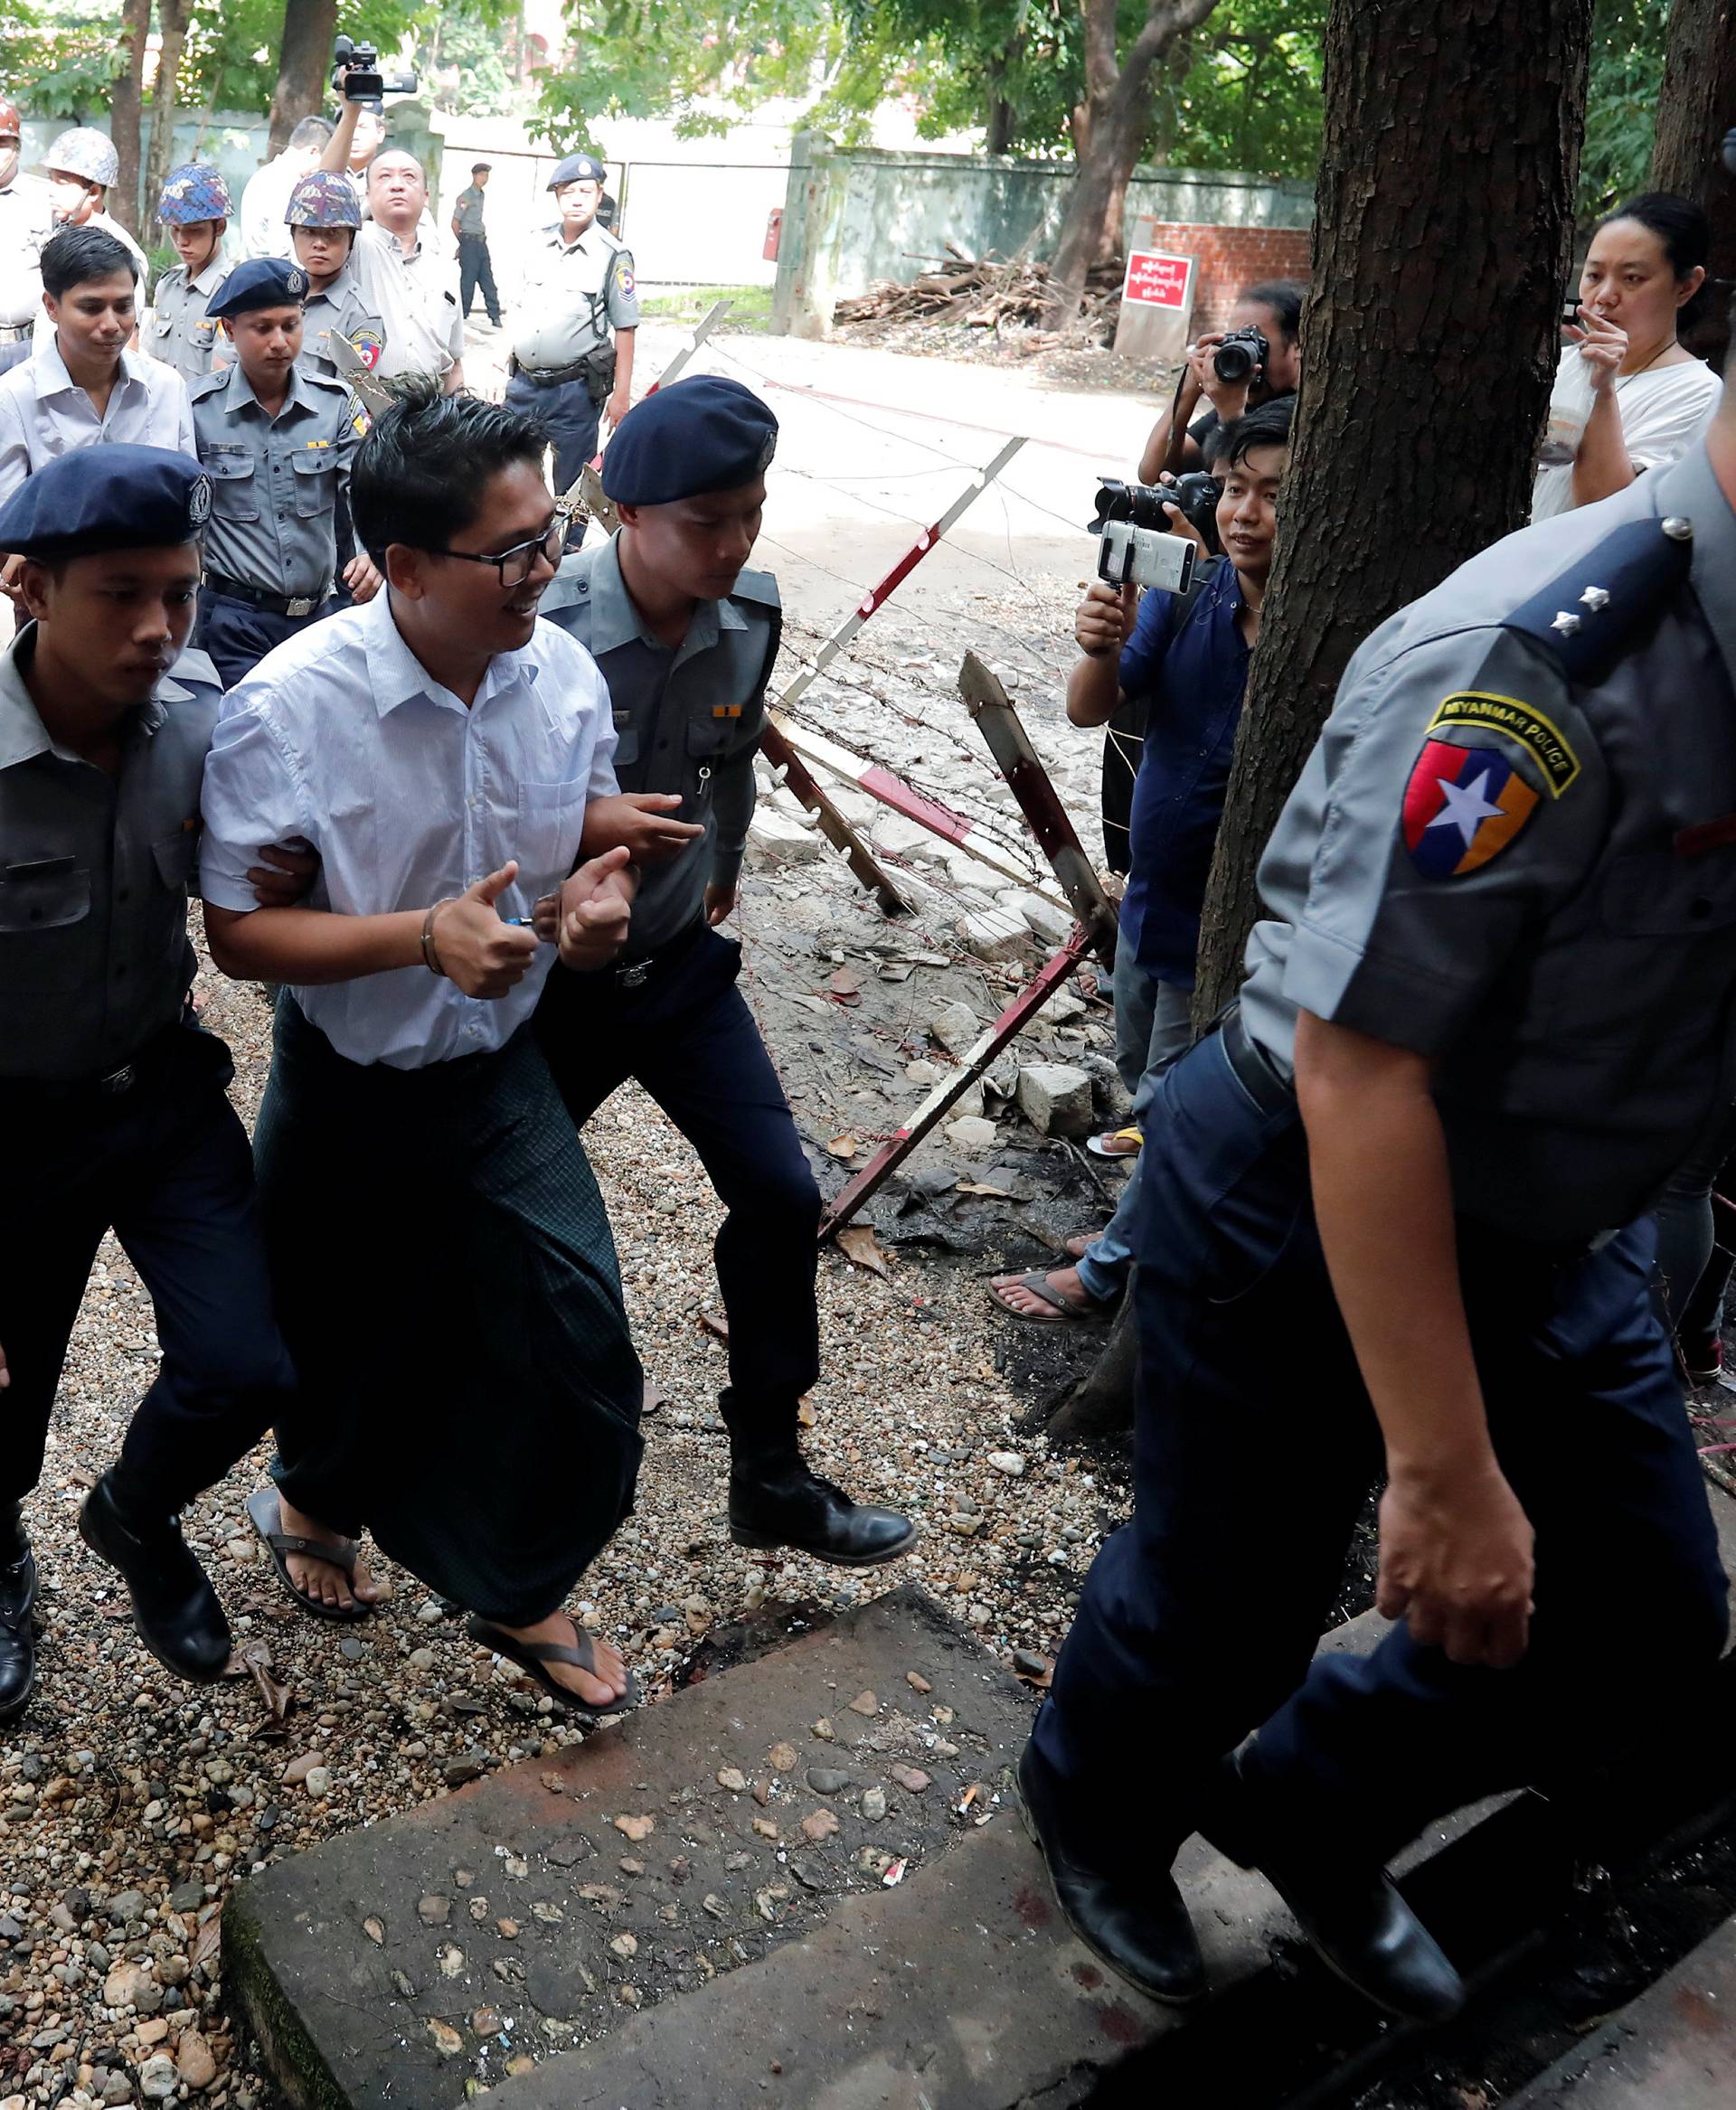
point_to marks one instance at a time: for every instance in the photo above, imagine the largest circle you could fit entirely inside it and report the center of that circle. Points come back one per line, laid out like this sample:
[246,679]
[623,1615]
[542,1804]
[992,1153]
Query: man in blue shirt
[1190,657]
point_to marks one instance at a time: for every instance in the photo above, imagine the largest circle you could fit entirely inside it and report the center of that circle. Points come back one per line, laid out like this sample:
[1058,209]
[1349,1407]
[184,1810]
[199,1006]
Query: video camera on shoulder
[365,82]
[1137,546]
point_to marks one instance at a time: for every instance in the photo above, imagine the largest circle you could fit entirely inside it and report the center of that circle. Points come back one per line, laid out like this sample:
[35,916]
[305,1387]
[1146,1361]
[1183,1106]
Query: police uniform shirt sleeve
[1456,798]
[14,440]
[252,796]
[621,295]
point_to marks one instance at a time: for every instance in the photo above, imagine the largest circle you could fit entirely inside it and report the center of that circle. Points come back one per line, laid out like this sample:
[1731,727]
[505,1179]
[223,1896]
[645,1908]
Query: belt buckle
[301,605]
[634,975]
[118,1081]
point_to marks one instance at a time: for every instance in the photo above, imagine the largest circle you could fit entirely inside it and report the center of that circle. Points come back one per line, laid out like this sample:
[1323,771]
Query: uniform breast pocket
[234,482]
[316,470]
[1661,932]
[41,906]
[550,820]
[162,329]
[708,739]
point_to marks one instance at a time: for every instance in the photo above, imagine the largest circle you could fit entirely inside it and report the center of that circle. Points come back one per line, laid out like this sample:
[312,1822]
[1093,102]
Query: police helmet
[193,191]
[326,198]
[82,152]
[12,123]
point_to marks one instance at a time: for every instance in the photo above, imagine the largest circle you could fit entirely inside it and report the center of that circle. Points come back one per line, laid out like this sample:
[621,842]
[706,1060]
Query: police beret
[259,282]
[578,168]
[701,434]
[116,496]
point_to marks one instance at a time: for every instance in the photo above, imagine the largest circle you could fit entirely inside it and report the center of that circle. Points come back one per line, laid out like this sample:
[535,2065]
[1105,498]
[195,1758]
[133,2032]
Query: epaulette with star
[1586,618]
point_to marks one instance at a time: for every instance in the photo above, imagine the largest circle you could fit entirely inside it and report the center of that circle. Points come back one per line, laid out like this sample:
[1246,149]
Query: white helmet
[82,152]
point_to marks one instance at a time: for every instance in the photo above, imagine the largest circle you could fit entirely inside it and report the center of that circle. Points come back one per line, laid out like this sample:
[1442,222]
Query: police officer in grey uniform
[113,1113]
[195,209]
[24,225]
[277,443]
[1488,1017]
[572,336]
[685,639]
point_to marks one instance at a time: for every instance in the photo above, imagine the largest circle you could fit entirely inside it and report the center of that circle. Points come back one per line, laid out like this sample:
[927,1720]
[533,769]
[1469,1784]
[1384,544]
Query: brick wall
[1227,258]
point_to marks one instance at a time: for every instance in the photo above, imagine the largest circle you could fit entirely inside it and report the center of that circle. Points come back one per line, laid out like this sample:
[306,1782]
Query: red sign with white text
[1155,281]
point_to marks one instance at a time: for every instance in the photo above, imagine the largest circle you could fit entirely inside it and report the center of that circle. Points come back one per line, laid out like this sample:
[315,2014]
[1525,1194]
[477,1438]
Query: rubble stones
[955,1026]
[973,1133]
[788,839]
[1055,1099]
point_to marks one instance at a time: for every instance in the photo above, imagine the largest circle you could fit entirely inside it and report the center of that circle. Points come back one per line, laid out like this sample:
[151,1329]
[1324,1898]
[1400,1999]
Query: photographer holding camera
[1256,360]
[1187,654]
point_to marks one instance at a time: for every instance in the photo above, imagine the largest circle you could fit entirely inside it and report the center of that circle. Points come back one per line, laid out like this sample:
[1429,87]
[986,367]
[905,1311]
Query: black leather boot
[175,1607]
[1136,1922]
[17,1600]
[776,1501]
[1350,1912]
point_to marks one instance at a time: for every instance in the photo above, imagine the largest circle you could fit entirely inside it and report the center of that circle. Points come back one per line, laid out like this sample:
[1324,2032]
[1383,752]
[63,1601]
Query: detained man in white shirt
[84,385]
[442,1266]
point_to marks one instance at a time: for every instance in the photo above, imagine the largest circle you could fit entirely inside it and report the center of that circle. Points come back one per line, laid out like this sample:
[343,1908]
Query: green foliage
[60,61]
[1629,38]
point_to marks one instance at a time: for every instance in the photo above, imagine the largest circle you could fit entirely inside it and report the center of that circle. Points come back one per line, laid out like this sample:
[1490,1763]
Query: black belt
[548,377]
[273,604]
[15,333]
[634,974]
[1254,1067]
[108,1084]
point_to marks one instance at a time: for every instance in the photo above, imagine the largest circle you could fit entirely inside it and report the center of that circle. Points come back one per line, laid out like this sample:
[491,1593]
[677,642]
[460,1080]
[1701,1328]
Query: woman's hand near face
[1603,347]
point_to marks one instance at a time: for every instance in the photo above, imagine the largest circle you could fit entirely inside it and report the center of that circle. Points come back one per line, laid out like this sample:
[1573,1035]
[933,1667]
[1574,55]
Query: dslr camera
[366,83]
[1136,546]
[1241,355]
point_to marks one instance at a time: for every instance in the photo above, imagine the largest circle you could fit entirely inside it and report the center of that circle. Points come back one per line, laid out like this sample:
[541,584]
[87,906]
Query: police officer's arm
[15,466]
[251,795]
[1460,800]
[1455,1547]
[360,573]
[622,306]
[1107,630]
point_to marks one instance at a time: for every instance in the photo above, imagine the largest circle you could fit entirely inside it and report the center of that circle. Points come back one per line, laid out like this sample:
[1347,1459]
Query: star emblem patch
[1461,807]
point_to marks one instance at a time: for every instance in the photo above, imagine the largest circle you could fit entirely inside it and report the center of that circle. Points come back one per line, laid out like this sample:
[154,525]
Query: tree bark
[1109,128]
[1429,343]
[125,111]
[304,66]
[1695,105]
[172,21]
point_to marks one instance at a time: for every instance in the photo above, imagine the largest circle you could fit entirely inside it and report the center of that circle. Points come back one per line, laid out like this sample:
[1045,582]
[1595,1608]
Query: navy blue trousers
[688,1036]
[1255,1447]
[237,635]
[570,418]
[167,1166]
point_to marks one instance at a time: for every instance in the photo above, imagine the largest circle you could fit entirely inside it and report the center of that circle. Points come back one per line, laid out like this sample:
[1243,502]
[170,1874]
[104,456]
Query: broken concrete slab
[786,838]
[955,1026]
[993,934]
[1055,1098]
[1672,2048]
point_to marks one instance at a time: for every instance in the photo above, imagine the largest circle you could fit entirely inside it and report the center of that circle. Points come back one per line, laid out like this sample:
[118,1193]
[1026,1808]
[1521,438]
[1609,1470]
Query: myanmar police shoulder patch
[1465,801]
[1507,714]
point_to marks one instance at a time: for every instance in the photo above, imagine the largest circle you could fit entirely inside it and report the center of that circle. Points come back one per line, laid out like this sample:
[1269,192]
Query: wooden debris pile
[984,293]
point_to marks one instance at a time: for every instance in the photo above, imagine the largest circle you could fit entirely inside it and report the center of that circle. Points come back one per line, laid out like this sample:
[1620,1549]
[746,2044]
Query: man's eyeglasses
[516,564]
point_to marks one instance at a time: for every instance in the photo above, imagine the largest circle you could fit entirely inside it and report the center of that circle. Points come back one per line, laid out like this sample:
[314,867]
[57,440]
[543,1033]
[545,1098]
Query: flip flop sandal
[532,1655]
[1070,1311]
[1101,1145]
[1078,1246]
[266,1513]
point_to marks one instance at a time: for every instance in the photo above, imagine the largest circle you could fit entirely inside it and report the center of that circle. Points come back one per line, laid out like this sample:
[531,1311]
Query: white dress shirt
[265,201]
[45,413]
[415,293]
[341,736]
[26,222]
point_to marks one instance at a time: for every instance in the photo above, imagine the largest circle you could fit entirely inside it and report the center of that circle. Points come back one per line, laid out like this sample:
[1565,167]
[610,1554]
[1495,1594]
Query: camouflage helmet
[193,191]
[12,123]
[84,153]
[326,198]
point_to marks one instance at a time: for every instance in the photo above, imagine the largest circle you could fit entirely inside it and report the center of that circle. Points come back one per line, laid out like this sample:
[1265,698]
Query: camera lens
[1233,362]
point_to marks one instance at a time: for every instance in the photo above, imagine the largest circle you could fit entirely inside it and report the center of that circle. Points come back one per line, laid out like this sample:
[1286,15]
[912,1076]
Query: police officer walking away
[277,445]
[195,209]
[1486,1021]
[113,1113]
[476,267]
[571,361]
[685,639]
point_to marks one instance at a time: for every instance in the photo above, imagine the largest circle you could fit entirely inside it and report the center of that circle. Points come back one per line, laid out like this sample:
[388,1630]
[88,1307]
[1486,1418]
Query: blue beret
[578,168]
[115,496]
[701,434]
[260,282]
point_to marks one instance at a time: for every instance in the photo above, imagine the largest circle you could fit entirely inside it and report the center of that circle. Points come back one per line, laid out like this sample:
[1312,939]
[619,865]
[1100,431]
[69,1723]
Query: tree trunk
[1419,417]
[1100,1406]
[304,66]
[1428,345]
[172,18]
[1109,128]
[1695,104]
[125,111]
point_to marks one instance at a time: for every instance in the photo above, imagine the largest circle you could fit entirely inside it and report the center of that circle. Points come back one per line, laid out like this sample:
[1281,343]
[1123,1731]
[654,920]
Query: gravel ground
[128,1803]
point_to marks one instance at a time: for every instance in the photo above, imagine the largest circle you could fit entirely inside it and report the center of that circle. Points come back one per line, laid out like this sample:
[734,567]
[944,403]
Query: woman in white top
[1627,396]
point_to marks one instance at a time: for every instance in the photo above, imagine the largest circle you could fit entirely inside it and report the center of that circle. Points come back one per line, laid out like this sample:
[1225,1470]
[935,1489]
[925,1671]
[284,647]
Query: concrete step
[1672,2048]
[709,1962]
